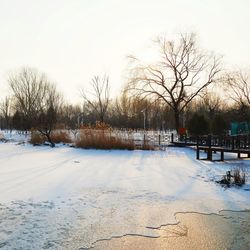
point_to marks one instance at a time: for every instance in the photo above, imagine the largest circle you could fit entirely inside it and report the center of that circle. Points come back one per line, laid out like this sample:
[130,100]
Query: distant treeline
[186,87]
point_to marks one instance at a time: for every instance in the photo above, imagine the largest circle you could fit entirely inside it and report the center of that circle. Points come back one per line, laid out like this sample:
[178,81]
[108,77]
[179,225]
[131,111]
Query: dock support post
[197,149]
[222,155]
[238,154]
[197,153]
[232,143]
[209,154]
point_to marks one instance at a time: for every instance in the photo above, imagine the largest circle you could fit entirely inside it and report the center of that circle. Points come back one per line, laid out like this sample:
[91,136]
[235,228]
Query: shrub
[236,176]
[60,137]
[36,138]
[102,139]
[239,177]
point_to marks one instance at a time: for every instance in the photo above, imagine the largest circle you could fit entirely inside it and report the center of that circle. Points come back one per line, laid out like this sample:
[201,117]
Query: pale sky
[73,40]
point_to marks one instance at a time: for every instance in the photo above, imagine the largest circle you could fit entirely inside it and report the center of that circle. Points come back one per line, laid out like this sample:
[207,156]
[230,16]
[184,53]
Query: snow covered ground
[67,198]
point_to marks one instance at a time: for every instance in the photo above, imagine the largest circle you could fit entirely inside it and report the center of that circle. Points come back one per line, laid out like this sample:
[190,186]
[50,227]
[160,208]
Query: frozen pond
[67,198]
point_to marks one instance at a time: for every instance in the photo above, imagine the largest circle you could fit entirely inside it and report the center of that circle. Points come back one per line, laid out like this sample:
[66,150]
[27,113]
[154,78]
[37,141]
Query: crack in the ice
[182,233]
[118,237]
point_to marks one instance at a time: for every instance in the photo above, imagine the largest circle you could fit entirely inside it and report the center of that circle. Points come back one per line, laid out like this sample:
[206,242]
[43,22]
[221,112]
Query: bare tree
[238,86]
[212,102]
[36,99]
[182,73]
[48,113]
[5,109]
[29,88]
[99,98]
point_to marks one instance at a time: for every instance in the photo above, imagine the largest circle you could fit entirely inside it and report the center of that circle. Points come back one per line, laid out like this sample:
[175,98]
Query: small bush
[60,137]
[236,176]
[239,177]
[36,138]
[102,139]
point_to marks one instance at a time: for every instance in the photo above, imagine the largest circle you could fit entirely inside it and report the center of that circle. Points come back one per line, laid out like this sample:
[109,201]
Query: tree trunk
[177,120]
[52,144]
[102,117]
[47,135]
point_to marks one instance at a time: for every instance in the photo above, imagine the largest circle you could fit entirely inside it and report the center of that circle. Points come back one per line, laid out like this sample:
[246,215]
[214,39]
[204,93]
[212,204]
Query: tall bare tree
[36,99]
[181,73]
[98,98]
[29,88]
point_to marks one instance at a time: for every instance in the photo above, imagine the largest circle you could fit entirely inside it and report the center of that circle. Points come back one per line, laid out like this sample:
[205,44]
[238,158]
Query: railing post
[245,141]
[238,142]
[232,143]
[209,154]
[209,139]
[172,138]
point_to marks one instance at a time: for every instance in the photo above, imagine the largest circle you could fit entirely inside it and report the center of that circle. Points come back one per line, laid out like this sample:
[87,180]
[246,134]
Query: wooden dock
[210,150]
[212,144]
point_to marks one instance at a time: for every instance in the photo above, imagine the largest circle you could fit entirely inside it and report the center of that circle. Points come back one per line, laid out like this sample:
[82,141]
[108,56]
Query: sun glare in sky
[73,40]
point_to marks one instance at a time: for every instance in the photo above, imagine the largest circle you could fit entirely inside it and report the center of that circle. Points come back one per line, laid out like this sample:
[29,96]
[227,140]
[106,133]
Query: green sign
[240,128]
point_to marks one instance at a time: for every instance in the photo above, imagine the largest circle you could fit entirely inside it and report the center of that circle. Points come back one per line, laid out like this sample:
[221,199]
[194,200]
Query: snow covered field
[67,198]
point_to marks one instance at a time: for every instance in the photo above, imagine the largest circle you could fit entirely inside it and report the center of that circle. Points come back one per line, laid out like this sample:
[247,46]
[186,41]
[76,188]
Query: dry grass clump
[239,176]
[101,136]
[102,139]
[147,146]
[36,138]
[60,137]
[236,176]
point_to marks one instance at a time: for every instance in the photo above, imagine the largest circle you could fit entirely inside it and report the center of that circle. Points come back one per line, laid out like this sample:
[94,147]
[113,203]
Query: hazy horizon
[71,41]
